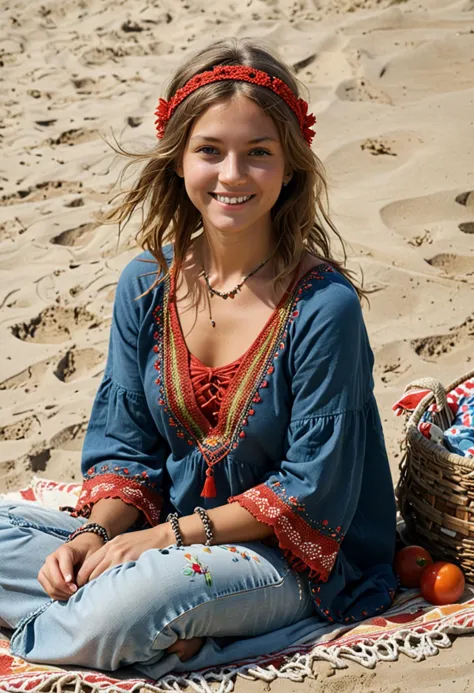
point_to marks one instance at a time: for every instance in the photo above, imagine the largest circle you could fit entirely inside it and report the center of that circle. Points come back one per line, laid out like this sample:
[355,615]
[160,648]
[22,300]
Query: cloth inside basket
[459,437]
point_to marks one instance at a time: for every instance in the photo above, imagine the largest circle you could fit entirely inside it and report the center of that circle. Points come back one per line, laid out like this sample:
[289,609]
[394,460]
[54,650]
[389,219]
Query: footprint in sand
[372,156]
[360,89]
[20,429]
[14,472]
[30,377]
[71,137]
[436,213]
[74,364]
[438,345]
[77,363]
[434,67]
[11,229]
[466,199]
[449,263]
[84,85]
[78,236]
[55,324]
[76,202]
[69,438]
[134,121]
[42,191]
[108,54]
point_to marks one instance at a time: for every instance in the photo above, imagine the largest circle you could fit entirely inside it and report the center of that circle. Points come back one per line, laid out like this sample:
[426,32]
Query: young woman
[236,492]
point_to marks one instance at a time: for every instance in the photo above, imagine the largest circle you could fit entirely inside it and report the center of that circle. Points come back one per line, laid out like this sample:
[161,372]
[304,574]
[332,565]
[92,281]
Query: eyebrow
[257,140]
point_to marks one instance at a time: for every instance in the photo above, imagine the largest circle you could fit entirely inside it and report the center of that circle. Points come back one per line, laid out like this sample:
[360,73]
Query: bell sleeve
[310,497]
[123,454]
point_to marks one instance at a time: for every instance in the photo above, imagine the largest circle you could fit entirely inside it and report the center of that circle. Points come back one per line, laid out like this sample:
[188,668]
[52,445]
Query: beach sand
[392,86]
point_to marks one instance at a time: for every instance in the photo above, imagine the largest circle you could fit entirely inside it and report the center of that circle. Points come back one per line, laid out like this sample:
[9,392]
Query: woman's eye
[261,152]
[205,150]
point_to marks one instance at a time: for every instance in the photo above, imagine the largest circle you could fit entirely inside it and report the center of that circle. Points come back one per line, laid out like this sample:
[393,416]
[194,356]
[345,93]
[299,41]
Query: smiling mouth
[233,201]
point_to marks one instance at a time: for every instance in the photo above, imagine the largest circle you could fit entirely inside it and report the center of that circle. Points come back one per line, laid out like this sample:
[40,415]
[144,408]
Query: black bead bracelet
[207,525]
[93,527]
[173,520]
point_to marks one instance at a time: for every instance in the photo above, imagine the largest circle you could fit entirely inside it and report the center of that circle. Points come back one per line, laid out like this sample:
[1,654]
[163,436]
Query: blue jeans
[133,612]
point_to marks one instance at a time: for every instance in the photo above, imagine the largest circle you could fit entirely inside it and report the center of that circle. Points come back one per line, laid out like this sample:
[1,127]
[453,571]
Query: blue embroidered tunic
[298,439]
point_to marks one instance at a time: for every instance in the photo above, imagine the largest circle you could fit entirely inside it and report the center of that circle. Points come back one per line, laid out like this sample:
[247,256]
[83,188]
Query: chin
[227,225]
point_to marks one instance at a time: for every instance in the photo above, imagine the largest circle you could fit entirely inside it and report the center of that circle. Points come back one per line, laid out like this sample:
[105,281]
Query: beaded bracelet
[207,525]
[173,520]
[93,527]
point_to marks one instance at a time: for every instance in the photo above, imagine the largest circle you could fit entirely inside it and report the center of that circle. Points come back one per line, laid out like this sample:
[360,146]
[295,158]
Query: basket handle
[430,384]
[445,411]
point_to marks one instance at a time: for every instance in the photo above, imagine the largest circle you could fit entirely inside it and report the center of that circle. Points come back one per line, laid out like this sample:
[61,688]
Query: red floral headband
[239,73]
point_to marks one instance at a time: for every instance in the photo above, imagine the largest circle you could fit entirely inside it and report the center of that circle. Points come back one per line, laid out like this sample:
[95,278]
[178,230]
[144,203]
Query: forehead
[238,116]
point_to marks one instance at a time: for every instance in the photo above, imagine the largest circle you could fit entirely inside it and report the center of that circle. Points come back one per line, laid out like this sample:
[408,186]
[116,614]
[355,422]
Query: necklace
[233,292]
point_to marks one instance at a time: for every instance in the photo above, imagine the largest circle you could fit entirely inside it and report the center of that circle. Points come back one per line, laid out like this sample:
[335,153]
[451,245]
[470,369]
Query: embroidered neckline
[177,395]
[240,359]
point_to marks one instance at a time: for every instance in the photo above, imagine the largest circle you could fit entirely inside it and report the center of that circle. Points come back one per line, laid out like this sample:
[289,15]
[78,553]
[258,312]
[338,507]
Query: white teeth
[232,200]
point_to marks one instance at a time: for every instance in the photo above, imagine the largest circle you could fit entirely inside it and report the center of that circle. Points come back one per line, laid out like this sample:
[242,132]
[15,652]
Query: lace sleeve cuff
[134,493]
[306,548]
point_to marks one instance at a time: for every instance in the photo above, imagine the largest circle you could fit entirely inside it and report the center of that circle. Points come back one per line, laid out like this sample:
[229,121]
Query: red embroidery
[304,547]
[115,486]
[177,394]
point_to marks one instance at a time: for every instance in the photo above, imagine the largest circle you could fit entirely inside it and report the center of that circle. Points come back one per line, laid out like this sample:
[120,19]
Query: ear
[179,170]
[287,177]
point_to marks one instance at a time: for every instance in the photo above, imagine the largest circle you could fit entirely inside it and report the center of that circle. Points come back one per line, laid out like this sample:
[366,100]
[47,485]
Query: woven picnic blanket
[411,627]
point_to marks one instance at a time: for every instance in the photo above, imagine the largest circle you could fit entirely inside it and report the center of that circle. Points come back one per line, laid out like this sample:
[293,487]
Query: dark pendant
[213,323]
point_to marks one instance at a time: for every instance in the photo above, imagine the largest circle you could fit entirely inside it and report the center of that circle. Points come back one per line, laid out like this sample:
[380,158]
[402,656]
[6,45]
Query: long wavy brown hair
[300,216]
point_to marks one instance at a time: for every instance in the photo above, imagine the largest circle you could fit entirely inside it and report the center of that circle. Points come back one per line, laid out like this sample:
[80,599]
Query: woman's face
[233,166]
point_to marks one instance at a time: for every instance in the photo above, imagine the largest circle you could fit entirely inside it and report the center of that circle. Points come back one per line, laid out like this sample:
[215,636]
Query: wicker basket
[435,492]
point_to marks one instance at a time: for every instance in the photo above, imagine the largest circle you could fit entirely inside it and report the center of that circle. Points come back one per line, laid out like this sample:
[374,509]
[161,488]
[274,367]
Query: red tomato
[442,583]
[410,563]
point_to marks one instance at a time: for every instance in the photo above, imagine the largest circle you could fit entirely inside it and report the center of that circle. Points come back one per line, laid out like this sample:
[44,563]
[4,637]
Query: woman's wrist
[87,539]
[164,535]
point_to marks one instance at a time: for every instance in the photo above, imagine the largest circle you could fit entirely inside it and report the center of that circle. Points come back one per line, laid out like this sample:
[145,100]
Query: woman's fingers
[89,565]
[50,589]
[99,569]
[54,575]
[66,566]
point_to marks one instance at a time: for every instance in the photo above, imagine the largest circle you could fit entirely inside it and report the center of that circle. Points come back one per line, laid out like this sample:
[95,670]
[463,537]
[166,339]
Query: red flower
[163,114]
[306,120]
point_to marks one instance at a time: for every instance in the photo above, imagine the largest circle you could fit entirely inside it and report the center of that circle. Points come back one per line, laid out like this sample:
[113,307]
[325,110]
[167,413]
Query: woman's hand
[56,576]
[123,548]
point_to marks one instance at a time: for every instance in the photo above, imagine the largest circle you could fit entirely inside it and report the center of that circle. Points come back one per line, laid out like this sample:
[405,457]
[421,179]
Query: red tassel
[209,488]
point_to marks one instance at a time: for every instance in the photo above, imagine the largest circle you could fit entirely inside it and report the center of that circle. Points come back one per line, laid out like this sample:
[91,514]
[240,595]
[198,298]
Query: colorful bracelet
[207,525]
[93,527]
[173,520]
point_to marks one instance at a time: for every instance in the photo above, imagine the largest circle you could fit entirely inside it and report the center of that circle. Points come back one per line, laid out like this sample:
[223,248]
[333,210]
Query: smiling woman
[236,489]
[235,184]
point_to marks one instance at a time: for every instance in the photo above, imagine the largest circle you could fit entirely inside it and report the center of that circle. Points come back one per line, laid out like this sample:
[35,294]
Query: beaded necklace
[233,292]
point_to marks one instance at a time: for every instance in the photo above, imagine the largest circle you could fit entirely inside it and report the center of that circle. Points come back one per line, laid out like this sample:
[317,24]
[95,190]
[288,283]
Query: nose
[233,170]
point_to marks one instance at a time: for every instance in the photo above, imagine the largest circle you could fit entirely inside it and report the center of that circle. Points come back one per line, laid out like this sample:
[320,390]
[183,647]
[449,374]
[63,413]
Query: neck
[228,258]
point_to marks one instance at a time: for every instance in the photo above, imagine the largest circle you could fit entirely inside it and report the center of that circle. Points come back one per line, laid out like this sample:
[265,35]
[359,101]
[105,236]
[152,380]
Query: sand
[392,85]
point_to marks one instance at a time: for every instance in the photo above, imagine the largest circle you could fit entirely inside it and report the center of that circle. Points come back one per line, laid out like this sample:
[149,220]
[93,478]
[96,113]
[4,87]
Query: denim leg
[134,611]
[28,534]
